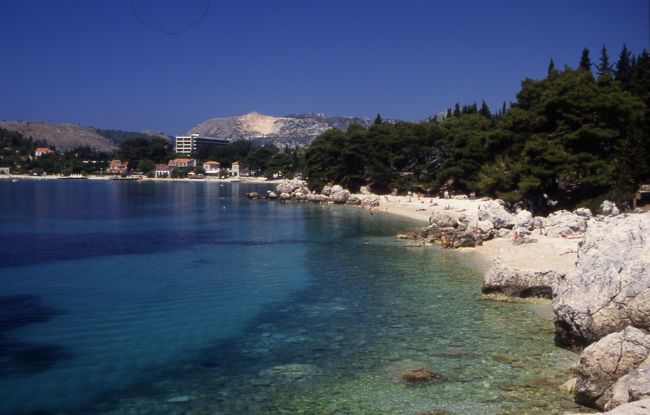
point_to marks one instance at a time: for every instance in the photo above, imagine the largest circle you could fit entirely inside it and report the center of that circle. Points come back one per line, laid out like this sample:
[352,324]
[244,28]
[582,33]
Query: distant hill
[117,136]
[295,130]
[68,136]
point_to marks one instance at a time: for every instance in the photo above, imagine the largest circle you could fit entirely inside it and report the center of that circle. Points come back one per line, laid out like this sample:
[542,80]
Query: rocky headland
[595,269]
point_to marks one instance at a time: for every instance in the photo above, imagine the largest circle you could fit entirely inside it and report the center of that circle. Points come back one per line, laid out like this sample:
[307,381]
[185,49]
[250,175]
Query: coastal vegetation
[572,138]
[17,152]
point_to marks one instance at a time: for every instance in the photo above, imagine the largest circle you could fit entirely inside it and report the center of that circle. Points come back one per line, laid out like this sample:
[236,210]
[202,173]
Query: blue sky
[93,62]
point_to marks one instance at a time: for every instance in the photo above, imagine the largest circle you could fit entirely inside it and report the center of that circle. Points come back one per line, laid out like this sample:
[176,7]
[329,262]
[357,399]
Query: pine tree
[457,111]
[504,108]
[449,112]
[485,110]
[604,68]
[585,62]
[623,65]
[551,66]
[378,119]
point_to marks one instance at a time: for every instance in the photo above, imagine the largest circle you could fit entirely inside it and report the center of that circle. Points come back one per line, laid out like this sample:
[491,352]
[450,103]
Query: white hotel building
[189,144]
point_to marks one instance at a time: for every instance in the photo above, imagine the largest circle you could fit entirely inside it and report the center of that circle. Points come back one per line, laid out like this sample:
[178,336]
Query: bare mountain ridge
[65,137]
[295,130]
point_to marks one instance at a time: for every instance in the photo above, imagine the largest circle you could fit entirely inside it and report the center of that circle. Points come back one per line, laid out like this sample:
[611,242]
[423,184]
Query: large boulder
[495,213]
[564,224]
[583,212]
[635,385]
[610,288]
[354,200]
[524,219]
[339,195]
[609,208]
[516,282]
[633,408]
[605,362]
[447,219]
[287,186]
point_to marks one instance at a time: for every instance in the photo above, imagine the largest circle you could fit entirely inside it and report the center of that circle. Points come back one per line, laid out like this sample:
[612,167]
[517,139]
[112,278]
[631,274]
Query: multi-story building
[189,144]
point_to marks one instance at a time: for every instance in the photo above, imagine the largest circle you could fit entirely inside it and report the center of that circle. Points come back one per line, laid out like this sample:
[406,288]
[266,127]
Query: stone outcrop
[496,213]
[610,288]
[295,130]
[609,208]
[565,224]
[339,195]
[634,408]
[516,282]
[605,374]
[635,385]
[524,220]
[292,186]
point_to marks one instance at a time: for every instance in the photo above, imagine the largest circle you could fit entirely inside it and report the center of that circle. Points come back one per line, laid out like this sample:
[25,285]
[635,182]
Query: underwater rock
[421,376]
[179,399]
[290,372]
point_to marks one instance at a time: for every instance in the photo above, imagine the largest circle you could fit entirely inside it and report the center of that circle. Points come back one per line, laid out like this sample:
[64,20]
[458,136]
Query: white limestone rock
[607,361]
[609,208]
[562,224]
[495,213]
[516,282]
[610,288]
[524,219]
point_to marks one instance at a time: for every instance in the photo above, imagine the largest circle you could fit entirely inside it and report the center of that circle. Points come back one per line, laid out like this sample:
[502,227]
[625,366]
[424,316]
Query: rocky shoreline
[594,269]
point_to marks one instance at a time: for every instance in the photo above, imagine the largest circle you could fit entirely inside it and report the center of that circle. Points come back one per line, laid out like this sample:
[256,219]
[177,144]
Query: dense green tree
[604,68]
[457,111]
[570,140]
[585,61]
[623,66]
[146,165]
[551,67]
[158,150]
[378,119]
[485,110]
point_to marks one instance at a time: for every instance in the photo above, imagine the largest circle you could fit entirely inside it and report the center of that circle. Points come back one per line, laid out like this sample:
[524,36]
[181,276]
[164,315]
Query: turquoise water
[179,298]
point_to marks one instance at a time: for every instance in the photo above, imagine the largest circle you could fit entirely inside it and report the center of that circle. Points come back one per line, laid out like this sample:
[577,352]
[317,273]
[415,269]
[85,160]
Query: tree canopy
[569,139]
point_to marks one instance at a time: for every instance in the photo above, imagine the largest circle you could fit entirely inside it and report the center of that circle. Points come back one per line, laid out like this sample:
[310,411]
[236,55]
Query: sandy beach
[545,253]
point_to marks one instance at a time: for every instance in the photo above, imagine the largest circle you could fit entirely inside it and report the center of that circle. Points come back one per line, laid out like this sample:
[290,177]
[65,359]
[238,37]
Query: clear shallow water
[151,298]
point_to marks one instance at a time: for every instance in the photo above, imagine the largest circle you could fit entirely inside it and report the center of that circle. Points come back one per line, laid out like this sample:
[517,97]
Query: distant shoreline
[251,180]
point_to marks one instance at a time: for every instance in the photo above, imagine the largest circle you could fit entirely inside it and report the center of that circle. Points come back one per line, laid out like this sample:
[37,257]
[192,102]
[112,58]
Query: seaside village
[185,166]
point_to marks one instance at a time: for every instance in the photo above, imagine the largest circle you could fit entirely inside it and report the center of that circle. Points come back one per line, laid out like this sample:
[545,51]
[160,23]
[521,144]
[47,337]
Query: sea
[121,297]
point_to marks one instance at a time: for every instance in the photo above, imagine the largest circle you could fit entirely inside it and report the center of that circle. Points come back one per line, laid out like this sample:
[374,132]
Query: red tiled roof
[44,150]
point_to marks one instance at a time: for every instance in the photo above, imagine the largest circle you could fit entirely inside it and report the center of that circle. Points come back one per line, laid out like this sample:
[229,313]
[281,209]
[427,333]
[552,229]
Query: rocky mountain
[295,130]
[68,136]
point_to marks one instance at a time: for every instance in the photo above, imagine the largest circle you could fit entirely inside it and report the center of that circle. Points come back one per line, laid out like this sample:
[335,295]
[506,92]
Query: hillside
[295,130]
[68,136]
